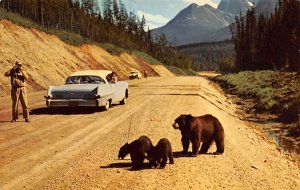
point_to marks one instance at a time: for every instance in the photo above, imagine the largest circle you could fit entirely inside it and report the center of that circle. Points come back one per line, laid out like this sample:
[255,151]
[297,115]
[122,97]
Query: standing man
[145,74]
[18,78]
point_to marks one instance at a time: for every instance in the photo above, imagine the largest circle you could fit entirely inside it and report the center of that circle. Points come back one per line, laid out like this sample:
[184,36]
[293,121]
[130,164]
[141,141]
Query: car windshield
[133,72]
[85,80]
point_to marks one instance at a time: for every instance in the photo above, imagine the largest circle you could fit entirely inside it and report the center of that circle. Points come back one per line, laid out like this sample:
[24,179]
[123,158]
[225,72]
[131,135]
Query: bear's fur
[205,129]
[137,150]
[160,153]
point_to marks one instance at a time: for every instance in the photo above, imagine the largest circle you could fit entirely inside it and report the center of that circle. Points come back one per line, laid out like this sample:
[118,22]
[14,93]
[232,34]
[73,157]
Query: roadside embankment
[269,97]
[48,60]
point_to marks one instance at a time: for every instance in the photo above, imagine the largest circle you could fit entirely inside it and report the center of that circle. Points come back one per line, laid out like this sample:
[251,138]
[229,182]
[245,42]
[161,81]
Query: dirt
[48,60]
[77,149]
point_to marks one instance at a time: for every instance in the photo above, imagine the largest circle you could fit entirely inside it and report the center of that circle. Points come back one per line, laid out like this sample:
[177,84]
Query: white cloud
[202,2]
[153,20]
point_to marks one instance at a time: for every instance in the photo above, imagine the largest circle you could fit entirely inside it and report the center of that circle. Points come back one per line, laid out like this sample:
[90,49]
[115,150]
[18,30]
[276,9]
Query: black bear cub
[160,153]
[137,150]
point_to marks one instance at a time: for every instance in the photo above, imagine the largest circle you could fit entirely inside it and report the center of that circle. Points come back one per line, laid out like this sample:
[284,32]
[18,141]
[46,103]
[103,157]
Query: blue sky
[159,12]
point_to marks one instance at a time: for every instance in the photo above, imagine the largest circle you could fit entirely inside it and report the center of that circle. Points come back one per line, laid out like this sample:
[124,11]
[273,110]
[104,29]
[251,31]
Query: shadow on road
[189,154]
[64,111]
[180,154]
[5,121]
[117,165]
[145,166]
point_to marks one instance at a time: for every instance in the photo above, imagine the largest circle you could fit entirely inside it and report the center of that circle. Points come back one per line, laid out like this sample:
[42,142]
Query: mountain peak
[192,22]
[193,5]
[208,6]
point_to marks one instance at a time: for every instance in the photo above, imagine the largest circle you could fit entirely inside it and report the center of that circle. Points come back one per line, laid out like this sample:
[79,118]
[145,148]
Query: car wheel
[106,107]
[124,101]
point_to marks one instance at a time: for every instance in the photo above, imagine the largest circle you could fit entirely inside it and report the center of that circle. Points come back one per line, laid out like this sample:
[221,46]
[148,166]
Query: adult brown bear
[205,129]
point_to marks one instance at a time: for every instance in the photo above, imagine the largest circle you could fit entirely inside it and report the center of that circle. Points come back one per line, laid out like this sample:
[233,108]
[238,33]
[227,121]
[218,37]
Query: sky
[159,12]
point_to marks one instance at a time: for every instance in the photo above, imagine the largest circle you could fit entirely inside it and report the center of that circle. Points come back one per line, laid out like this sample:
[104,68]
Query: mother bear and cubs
[206,129]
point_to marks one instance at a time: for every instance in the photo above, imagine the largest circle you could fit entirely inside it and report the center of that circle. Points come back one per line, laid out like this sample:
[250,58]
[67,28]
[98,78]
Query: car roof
[100,73]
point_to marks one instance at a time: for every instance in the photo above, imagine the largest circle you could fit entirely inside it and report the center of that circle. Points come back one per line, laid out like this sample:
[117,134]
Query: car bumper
[73,103]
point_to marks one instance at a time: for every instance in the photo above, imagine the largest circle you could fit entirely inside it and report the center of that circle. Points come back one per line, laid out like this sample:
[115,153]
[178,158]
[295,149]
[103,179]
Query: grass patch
[269,92]
[112,49]
[277,92]
[146,57]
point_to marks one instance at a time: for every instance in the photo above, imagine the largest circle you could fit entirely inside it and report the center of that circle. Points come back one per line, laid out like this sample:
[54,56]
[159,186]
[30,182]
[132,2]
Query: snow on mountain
[235,6]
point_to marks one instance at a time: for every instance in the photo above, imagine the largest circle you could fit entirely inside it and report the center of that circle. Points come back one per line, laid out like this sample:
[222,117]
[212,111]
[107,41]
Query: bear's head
[124,150]
[181,121]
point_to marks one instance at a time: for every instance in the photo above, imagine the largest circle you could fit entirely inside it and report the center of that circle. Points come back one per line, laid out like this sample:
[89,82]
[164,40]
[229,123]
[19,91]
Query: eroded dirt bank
[78,150]
[49,61]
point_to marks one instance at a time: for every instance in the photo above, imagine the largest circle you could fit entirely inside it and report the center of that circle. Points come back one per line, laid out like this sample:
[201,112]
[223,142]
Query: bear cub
[160,153]
[137,150]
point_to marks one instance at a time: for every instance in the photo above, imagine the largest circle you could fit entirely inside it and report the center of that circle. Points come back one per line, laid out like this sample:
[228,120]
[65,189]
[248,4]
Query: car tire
[124,101]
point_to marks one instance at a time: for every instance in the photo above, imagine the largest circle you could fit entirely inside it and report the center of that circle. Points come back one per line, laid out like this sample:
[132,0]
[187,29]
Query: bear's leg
[220,143]
[164,161]
[138,162]
[196,145]
[185,139]
[171,159]
[134,164]
[205,146]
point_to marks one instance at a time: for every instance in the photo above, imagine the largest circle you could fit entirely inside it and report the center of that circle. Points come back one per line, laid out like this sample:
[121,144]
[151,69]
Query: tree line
[113,24]
[269,42]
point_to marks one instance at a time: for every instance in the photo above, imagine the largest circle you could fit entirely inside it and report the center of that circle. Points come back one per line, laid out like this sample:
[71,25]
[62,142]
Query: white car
[88,88]
[135,75]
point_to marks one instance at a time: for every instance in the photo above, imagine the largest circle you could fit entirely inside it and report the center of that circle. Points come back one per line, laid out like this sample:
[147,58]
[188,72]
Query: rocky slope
[48,60]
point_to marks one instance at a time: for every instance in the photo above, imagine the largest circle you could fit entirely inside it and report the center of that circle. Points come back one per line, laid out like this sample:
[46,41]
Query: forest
[269,42]
[111,24]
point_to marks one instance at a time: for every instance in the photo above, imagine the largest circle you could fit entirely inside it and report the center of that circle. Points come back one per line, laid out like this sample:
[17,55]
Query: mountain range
[196,24]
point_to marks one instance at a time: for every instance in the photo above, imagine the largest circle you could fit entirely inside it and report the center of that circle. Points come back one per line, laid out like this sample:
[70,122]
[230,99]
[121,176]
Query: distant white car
[135,75]
[88,88]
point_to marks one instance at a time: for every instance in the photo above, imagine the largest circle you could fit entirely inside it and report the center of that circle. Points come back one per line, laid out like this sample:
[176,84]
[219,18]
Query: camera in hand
[17,69]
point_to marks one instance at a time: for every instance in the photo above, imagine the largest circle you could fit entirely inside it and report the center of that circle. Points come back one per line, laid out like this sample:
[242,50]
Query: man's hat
[19,63]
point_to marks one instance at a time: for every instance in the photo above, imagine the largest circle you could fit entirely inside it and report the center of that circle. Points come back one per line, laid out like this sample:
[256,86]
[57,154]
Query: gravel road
[78,149]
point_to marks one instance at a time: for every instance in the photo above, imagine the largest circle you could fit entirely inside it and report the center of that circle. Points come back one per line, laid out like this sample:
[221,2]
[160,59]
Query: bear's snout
[175,126]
